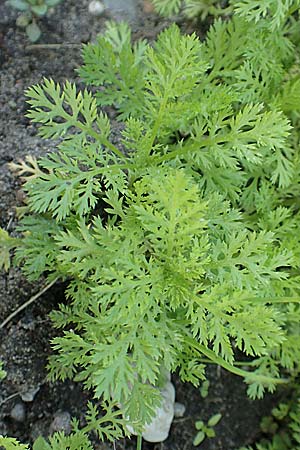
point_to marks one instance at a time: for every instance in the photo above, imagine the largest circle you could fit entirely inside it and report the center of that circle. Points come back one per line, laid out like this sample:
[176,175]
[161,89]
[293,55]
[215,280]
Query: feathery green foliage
[12,444]
[276,11]
[281,430]
[180,240]
[190,8]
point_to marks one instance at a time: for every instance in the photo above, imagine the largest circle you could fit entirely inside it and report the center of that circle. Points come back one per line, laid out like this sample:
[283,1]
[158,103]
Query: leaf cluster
[2,371]
[206,430]
[275,11]
[31,11]
[281,430]
[109,426]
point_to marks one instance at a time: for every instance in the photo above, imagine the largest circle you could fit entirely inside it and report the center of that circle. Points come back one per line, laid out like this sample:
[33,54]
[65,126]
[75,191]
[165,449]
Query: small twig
[31,300]
[52,46]
[9,223]
[10,397]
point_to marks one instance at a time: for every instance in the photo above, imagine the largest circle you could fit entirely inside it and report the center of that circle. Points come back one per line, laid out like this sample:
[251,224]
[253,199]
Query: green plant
[206,431]
[78,439]
[180,240]
[204,388]
[2,371]
[11,444]
[277,11]
[191,8]
[281,430]
[31,11]
[75,441]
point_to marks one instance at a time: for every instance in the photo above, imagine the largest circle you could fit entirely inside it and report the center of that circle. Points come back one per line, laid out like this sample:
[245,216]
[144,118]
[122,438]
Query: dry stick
[31,300]
[9,223]
[10,397]
[51,46]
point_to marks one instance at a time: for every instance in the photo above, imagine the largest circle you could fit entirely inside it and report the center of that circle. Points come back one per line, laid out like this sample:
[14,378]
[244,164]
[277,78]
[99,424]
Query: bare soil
[29,404]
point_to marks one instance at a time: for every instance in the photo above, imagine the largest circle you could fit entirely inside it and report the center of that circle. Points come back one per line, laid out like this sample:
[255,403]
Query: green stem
[237,363]
[101,139]
[264,300]
[139,442]
[233,369]
[158,121]
[215,11]
[89,130]
[191,147]
[292,10]
[123,87]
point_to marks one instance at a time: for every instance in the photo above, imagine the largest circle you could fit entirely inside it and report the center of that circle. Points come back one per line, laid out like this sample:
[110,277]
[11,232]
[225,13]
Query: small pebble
[18,412]
[179,409]
[96,8]
[12,104]
[148,7]
[29,395]
[61,422]
[121,10]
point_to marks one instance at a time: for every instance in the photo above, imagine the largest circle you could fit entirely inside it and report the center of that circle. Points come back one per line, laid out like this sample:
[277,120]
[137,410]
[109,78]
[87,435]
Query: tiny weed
[30,12]
[206,430]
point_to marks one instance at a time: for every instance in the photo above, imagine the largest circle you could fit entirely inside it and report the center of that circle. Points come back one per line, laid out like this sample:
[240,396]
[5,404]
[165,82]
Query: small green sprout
[31,11]
[8,443]
[204,389]
[2,371]
[206,431]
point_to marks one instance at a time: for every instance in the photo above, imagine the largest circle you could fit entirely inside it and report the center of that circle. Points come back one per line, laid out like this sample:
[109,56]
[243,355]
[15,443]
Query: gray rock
[29,394]
[158,429]
[96,8]
[179,409]
[61,422]
[122,9]
[18,412]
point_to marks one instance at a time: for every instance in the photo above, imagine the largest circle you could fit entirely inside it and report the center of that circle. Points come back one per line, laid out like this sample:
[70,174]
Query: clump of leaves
[206,430]
[276,11]
[281,430]
[204,388]
[191,8]
[179,240]
[31,12]
[9,443]
[78,439]
[2,371]
[75,441]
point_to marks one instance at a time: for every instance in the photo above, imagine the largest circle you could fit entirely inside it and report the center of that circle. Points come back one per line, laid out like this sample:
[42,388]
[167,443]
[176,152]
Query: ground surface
[29,405]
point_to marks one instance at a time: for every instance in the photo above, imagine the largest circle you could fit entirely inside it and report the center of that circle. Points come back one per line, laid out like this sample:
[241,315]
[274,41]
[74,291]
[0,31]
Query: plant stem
[157,122]
[292,10]
[31,300]
[233,369]
[139,442]
[52,46]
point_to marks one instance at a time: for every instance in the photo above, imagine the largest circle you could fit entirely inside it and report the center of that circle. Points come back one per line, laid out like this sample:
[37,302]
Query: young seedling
[2,371]
[206,431]
[204,388]
[31,12]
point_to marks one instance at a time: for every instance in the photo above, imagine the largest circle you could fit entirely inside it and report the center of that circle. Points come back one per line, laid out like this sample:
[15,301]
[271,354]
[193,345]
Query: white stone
[158,429]
[96,8]
[179,409]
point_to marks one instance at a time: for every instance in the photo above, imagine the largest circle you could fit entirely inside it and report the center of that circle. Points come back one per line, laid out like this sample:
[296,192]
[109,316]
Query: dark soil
[29,405]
